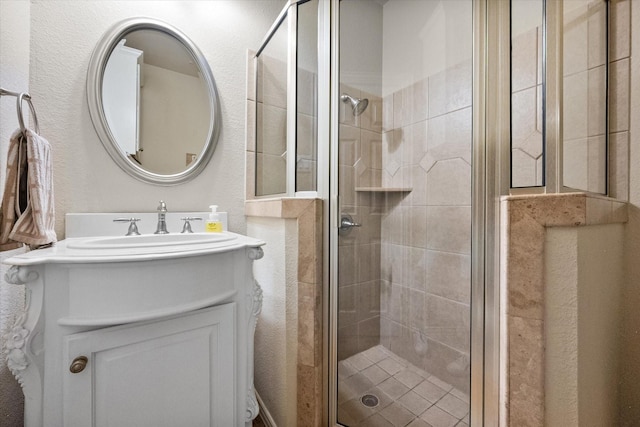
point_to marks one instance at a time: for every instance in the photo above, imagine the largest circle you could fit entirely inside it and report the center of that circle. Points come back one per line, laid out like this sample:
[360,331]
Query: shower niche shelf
[384,189]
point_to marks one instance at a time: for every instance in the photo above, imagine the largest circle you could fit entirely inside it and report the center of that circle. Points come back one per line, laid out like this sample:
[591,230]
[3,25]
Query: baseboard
[264,413]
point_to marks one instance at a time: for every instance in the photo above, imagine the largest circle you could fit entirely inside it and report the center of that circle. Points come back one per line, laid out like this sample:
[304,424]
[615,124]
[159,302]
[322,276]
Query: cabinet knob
[78,364]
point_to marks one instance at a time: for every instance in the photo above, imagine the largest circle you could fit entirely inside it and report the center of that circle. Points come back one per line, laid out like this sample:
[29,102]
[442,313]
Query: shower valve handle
[347,223]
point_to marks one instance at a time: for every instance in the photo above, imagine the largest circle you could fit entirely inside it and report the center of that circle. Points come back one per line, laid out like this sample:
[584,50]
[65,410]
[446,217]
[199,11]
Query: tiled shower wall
[405,274]
[267,132]
[360,157]
[426,235]
[584,101]
[526,109]
[585,97]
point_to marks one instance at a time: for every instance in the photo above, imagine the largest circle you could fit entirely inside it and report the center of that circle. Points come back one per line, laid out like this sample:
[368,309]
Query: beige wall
[630,368]
[167,144]
[584,276]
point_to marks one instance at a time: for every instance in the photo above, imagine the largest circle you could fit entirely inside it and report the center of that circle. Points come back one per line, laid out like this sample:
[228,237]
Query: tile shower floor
[407,396]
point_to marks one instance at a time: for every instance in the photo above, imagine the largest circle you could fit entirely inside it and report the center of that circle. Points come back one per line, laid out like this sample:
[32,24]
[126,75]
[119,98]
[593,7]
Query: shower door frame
[490,180]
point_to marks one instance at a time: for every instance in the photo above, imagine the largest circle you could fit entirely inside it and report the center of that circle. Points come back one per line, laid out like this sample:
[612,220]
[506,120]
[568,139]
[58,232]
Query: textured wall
[64,34]
[584,274]
[276,333]
[14,76]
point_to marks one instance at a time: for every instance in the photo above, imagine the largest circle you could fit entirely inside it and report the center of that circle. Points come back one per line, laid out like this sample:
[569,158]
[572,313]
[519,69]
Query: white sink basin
[149,241]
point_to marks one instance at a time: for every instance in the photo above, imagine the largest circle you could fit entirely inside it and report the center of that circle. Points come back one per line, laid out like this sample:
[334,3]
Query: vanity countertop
[74,250]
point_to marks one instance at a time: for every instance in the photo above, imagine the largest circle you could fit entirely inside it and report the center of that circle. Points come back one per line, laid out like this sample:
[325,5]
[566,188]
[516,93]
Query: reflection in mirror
[271,114]
[527,93]
[153,101]
[307,90]
[585,95]
[156,102]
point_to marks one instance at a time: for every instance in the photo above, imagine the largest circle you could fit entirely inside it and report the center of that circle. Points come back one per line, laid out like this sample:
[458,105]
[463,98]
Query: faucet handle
[186,228]
[133,228]
[162,207]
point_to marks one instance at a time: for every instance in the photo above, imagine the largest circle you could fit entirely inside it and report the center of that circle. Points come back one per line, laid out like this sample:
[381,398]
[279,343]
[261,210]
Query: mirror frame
[95,75]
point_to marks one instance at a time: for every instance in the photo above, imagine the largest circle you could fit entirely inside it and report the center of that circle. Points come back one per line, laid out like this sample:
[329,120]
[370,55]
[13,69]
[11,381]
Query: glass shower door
[405,192]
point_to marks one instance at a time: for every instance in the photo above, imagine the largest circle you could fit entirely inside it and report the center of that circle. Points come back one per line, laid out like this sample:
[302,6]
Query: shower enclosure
[404,201]
[397,92]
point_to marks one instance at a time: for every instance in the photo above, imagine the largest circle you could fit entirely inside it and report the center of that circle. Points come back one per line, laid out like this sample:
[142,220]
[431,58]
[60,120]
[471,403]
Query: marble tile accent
[525,219]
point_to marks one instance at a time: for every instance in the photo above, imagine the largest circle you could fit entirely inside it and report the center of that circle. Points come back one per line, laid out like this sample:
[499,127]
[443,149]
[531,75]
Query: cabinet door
[175,372]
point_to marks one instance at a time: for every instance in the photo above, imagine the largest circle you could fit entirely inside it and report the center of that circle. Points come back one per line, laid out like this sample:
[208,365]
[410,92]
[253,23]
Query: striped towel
[27,212]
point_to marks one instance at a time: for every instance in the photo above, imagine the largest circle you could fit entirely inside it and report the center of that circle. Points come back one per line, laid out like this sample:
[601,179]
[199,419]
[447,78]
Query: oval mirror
[153,101]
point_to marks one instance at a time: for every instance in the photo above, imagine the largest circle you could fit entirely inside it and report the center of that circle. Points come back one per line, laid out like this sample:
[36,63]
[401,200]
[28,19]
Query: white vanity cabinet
[137,336]
[168,373]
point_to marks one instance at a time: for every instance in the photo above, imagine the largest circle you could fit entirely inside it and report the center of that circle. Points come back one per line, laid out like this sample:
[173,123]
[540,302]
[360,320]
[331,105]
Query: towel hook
[23,128]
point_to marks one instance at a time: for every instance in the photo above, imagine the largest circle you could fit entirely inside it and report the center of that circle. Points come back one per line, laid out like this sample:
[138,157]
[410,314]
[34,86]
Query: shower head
[357,105]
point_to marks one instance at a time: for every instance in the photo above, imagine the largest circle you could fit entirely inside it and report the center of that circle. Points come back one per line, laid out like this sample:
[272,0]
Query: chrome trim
[334,210]
[497,152]
[95,75]
[552,63]
[292,99]
[324,169]
[478,233]
[276,24]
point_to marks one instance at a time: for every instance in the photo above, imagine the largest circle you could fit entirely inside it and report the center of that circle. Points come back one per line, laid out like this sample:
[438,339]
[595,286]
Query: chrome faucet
[162,224]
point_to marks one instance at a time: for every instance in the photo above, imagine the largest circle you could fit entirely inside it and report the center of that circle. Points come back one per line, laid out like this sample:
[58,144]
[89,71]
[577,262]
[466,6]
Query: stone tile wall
[584,101]
[584,97]
[526,109]
[360,158]
[267,128]
[426,235]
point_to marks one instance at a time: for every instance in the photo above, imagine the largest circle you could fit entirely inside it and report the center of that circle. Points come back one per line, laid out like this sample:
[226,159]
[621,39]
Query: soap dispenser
[213,224]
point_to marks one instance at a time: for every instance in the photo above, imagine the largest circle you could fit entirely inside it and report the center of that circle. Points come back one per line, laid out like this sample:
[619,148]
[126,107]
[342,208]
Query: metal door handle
[347,223]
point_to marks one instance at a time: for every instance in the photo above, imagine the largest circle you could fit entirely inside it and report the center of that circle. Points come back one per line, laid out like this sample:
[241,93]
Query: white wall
[14,76]
[276,339]
[63,36]
[630,368]
[435,36]
[361,45]
[584,276]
